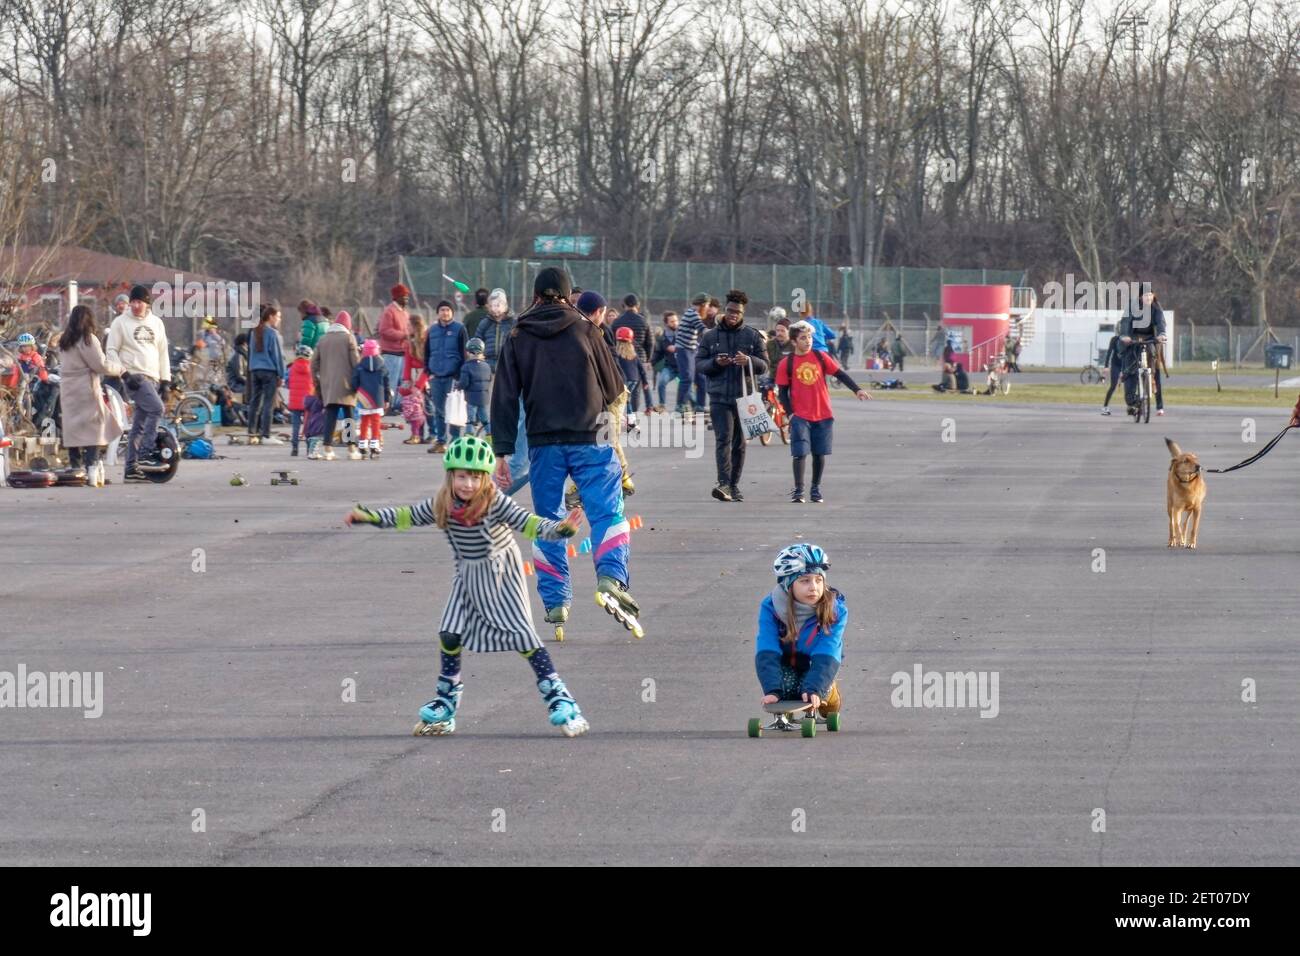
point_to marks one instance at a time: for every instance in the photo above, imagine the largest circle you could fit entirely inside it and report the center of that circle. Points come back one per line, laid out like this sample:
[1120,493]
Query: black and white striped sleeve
[506,510]
[407,516]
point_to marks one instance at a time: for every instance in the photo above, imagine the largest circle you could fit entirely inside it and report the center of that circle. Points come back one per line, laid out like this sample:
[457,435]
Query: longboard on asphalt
[788,718]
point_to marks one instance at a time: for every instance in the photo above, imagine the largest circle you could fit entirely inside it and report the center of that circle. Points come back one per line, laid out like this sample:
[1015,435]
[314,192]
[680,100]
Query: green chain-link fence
[834,293]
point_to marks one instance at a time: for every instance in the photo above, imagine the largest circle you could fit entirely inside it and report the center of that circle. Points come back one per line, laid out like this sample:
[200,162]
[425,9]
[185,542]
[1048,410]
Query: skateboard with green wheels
[285,477]
[793,715]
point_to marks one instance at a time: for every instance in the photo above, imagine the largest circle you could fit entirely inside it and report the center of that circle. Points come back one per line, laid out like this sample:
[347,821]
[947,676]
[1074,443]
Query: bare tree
[1245,139]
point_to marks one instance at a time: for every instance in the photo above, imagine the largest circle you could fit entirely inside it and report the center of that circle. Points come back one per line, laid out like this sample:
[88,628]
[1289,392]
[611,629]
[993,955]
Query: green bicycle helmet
[471,453]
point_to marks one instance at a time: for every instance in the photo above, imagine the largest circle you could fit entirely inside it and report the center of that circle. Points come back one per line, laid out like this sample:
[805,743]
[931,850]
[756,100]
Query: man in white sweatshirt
[137,340]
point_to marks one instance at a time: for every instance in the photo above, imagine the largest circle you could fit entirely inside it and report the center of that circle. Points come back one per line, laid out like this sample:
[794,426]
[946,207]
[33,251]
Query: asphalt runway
[1119,690]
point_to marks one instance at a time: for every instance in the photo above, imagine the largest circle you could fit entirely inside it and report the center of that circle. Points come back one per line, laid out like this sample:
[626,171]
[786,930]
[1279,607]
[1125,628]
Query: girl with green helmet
[488,608]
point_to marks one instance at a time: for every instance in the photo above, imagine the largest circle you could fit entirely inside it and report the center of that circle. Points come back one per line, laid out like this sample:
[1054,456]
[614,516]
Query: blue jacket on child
[370,382]
[815,656]
[476,382]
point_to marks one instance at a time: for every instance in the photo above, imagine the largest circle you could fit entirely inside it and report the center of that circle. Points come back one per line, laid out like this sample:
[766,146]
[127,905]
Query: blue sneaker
[438,716]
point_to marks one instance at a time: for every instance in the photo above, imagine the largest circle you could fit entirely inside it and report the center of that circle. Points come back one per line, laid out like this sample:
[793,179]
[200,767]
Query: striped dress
[488,605]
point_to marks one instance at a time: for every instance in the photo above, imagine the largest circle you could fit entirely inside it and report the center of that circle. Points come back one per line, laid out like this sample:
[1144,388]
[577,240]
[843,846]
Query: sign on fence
[561,245]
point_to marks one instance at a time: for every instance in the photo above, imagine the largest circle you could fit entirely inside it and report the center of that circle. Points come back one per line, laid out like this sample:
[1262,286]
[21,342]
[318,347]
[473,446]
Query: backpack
[198,448]
[789,365]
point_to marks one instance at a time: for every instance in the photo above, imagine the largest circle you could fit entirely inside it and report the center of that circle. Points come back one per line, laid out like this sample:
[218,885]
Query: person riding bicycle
[137,340]
[1142,327]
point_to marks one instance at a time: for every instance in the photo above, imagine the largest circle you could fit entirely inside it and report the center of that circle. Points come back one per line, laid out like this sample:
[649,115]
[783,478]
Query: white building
[1077,337]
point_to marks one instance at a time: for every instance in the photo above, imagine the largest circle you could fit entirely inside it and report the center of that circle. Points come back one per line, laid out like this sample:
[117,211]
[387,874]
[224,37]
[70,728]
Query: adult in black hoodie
[559,364]
[729,354]
[643,341]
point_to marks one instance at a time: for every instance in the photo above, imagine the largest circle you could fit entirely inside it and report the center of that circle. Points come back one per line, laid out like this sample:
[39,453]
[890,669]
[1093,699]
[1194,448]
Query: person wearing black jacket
[729,355]
[1143,326]
[643,341]
[559,364]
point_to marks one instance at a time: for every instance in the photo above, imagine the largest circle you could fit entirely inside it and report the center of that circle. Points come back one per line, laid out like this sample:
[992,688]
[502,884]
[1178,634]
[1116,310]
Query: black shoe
[796,496]
[817,495]
[736,495]
[722,492]
[135,474]
[293,452]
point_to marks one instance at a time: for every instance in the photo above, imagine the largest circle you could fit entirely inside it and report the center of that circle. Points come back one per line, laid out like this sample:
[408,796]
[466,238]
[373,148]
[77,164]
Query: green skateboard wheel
[808,727]
[833,722]
[755,727]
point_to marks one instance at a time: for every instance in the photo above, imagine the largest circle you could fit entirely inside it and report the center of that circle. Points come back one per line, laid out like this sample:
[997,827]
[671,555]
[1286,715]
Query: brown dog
[1185,492]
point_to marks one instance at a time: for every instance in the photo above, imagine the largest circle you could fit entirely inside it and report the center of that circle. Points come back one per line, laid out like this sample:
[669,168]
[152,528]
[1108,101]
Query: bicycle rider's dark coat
[86,421]
[1138,325]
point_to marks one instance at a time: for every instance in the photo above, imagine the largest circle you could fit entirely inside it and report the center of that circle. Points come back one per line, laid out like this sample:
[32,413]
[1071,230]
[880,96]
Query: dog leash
[1255,457]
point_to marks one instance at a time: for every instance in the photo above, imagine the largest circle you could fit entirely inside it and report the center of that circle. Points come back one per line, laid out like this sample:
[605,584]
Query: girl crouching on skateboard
[800,632]
[488,608]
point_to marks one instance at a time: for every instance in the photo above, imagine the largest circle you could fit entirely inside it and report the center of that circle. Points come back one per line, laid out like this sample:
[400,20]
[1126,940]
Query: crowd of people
[334,386]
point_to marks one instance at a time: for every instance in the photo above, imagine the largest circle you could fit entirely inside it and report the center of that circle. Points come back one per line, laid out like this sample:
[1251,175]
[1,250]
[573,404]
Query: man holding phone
[730,354]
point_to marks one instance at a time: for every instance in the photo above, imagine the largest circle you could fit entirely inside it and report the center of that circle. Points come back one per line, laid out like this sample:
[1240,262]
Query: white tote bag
[753,411]
[455,410]
[118,419]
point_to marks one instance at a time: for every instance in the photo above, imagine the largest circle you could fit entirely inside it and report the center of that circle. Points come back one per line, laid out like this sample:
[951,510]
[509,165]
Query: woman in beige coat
[87,425]
[332,362]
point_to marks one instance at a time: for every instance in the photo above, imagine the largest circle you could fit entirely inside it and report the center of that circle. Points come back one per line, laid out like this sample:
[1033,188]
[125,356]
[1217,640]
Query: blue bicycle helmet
[799,559]
[27,339]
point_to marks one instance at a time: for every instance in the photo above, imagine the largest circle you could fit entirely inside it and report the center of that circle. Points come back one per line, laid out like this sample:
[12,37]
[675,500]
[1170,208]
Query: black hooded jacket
[725,381]
[560,364]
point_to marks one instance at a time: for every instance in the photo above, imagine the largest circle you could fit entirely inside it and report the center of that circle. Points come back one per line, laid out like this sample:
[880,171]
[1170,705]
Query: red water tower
[980,314]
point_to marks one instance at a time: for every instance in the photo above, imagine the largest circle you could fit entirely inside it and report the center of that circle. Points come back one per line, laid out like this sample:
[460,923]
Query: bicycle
[191,414]
[777,413]
[1091,375]
[1146,383]
[18,395]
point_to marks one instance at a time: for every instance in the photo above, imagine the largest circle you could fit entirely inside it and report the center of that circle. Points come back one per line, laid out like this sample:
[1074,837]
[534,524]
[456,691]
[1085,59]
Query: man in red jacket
[394,329]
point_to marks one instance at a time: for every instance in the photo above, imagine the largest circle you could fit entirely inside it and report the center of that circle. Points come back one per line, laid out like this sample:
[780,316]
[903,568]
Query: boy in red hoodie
[300,386]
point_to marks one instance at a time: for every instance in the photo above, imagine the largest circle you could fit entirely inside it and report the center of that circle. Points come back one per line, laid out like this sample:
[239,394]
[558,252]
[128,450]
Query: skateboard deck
[786,706]
[286,477]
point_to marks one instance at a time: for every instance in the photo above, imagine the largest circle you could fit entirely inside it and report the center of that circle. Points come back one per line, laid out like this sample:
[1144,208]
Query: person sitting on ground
[948,378]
